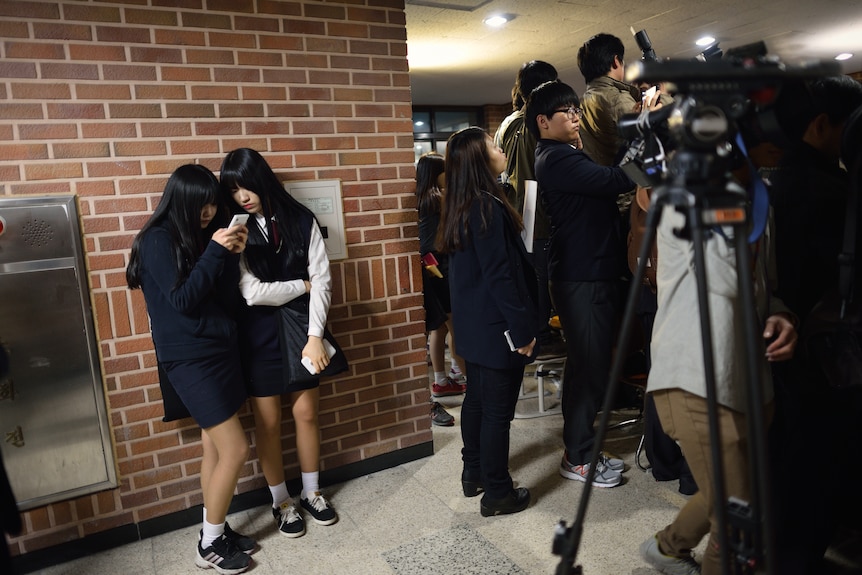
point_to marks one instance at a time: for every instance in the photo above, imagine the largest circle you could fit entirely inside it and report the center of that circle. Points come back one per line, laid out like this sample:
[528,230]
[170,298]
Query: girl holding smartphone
[187,267]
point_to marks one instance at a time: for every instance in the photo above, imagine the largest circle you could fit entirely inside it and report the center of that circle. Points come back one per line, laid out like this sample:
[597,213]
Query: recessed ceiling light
[705,41]
[497,20]
[844,56]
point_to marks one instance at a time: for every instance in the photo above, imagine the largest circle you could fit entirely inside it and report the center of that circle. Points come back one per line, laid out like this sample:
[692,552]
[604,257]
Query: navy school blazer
[494,289]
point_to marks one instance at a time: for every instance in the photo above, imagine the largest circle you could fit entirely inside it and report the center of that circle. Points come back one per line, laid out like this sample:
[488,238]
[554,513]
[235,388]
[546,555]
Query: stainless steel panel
[53,421]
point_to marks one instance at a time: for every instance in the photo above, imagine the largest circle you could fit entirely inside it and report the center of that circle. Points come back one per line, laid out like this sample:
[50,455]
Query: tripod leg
[567,541]
[719,493]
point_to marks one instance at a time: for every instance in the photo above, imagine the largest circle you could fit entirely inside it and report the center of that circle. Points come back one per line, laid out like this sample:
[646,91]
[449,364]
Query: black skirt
[211,388]
[266,377]
[437,302]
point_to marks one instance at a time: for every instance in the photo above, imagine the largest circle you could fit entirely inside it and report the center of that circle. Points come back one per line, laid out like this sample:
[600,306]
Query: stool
[546,367]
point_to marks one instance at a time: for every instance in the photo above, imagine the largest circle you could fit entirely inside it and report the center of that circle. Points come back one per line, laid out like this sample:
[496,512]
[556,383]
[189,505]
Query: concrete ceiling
[455,59]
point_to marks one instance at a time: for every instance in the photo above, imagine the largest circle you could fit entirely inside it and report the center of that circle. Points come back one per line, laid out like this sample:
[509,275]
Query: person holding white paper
[586,261]
[519,145]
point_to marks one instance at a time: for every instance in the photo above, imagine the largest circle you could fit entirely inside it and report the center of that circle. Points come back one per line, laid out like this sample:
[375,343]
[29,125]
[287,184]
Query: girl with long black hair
[285,260]
[494,290]
[187,266]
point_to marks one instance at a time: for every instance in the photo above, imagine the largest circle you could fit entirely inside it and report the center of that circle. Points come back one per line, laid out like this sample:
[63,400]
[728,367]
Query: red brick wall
[104,99]
[494,115]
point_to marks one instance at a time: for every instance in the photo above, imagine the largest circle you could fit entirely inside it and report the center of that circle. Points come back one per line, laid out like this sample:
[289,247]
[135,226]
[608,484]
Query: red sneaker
[450,387]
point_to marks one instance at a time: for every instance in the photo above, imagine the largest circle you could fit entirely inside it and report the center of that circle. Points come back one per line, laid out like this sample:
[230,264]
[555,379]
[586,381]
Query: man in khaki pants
[678,385]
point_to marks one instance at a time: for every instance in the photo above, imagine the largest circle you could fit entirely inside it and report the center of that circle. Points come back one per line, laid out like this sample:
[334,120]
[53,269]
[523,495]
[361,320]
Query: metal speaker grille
[37,233]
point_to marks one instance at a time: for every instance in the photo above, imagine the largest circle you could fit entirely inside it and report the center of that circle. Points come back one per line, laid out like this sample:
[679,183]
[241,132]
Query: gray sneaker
[665,563]
[612,462]
[604,477]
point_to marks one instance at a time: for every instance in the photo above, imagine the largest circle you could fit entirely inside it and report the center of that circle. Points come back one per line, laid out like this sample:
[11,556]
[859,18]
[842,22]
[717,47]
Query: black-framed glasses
[572,112]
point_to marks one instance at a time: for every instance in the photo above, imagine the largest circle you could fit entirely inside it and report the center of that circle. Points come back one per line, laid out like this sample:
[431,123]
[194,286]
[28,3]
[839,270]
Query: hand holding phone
[508,337]
[330,352]
[238,219]
[648,96]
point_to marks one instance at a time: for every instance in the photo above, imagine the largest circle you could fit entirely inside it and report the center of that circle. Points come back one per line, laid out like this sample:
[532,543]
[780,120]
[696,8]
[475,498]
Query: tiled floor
[414,520]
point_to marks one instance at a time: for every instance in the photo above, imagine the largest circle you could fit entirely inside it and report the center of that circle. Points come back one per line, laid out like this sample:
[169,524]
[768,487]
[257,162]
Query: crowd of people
[577,270]
[213,292]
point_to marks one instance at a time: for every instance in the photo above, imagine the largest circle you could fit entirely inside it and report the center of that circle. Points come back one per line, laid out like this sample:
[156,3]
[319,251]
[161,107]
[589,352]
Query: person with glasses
[585,263]
[519,145]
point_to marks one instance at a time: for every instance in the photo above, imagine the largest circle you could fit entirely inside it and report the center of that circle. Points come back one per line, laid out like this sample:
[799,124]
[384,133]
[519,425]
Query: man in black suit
[586,263]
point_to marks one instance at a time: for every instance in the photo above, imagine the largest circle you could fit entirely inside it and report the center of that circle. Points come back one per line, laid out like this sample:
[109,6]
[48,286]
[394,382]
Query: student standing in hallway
[188,268]
[285,261]
[586,263]
[493,288]
[435,288]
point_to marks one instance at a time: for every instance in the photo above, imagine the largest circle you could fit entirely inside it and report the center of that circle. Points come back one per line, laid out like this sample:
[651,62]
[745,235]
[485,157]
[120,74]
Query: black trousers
[486,416]
[589,313]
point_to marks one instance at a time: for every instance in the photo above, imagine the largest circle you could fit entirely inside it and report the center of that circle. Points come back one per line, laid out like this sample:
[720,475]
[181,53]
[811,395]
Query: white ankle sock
[279,494]
[440,377]
[211,533]
[310,483]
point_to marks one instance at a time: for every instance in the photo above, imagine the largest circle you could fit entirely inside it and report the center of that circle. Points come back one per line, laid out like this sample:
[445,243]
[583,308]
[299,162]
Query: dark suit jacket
[493,287]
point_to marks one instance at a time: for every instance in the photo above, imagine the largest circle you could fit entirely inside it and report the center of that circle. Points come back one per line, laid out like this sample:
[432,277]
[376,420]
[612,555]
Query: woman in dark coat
[493,287]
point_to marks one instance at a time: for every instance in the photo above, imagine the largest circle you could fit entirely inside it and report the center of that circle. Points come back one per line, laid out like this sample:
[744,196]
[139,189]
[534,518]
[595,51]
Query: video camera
[746,92]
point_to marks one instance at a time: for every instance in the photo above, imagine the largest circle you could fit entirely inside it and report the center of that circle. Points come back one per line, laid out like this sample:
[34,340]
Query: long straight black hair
[246,168]
[189,189]
[468,179]
[428,192]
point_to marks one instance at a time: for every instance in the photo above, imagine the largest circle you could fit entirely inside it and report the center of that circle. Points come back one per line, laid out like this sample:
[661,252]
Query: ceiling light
[497,20]
[844,56]
[705,41]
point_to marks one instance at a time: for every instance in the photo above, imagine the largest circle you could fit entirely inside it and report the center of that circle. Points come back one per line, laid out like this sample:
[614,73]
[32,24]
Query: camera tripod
[698,187]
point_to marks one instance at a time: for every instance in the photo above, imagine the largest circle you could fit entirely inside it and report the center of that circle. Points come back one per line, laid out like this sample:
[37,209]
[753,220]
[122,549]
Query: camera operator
[677,378]
[607,97]
[813,421]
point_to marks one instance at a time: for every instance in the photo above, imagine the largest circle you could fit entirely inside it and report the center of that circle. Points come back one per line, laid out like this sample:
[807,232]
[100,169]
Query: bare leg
[458,359]
[305,408]
[219,481]
[436,345]
[267,433]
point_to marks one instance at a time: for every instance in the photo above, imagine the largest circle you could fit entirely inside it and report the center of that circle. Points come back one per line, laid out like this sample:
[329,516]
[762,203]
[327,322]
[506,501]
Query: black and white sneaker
[320,509]
[245,544]
[288,520]
[223,556]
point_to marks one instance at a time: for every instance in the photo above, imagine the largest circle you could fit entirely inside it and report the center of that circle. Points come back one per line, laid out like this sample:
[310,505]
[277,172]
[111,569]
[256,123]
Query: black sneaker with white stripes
[223,556]
[245,544]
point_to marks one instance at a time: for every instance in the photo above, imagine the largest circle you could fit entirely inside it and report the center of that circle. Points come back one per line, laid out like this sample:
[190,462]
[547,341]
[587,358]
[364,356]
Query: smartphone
[330,351]
[238,219]
[648,95]
[508,337]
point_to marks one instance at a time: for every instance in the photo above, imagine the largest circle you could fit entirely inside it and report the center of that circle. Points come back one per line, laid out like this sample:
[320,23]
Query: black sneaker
[320,509]
[241,542]
[439,416]
[223,556]
[288,520]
